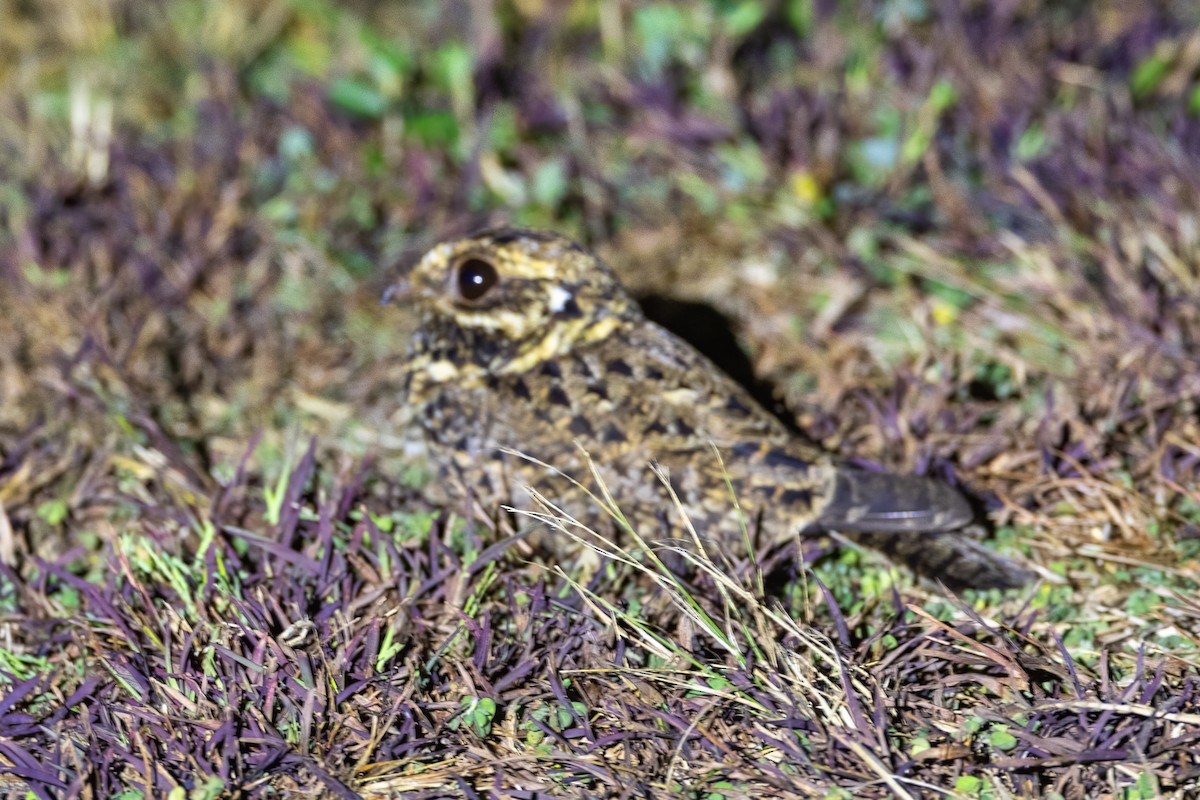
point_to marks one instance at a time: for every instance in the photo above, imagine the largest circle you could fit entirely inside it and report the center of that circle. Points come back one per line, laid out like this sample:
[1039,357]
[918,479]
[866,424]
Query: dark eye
[476,277]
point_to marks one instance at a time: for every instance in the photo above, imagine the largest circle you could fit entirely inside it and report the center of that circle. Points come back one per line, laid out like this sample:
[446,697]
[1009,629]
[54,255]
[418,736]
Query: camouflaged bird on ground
[532,367]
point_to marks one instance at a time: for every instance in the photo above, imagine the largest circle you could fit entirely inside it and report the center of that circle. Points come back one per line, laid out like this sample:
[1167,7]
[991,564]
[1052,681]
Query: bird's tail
[955,558]
[919,523]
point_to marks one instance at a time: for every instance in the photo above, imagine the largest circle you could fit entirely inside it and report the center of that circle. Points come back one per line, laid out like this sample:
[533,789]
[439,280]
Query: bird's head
[504,300]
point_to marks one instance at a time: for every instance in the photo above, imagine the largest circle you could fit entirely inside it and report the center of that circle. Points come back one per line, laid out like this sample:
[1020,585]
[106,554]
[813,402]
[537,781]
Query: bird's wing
[687,400]
[885,503]
[775,465]
[792,484]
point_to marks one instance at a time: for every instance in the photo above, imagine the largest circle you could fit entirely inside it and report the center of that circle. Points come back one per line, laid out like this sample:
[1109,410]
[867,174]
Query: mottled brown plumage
[530,354]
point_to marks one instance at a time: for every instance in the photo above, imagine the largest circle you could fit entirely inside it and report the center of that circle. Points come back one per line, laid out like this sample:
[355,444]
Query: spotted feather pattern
[553,381]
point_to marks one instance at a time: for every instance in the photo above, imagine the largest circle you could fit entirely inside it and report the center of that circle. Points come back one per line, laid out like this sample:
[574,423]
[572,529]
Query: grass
[961,243]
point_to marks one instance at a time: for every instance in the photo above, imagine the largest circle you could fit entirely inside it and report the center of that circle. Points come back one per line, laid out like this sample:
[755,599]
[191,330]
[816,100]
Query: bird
[538,383]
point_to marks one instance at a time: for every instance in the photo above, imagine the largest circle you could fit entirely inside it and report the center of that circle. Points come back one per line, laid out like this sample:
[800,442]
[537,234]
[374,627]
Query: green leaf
[1141,602]
[562,718]
[549,183]
[357,97]
[1148,75]
[1001,739]
[799,14]
[744,17]
[1031,143]
[390,66]
[433,128]
[504,132]
[479,713]
[658,27]
[942,96]
[701,191]
[968,784]
[452,66]
[211,789]
[53,511]
[452,69]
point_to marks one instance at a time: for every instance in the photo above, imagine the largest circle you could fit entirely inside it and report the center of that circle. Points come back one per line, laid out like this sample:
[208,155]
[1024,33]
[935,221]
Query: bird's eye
[476,278]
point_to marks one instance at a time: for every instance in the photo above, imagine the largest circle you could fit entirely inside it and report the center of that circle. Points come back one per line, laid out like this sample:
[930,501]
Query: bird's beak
[399,293]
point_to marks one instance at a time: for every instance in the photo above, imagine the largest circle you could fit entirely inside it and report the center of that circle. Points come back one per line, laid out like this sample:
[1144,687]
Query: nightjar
[533,368]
